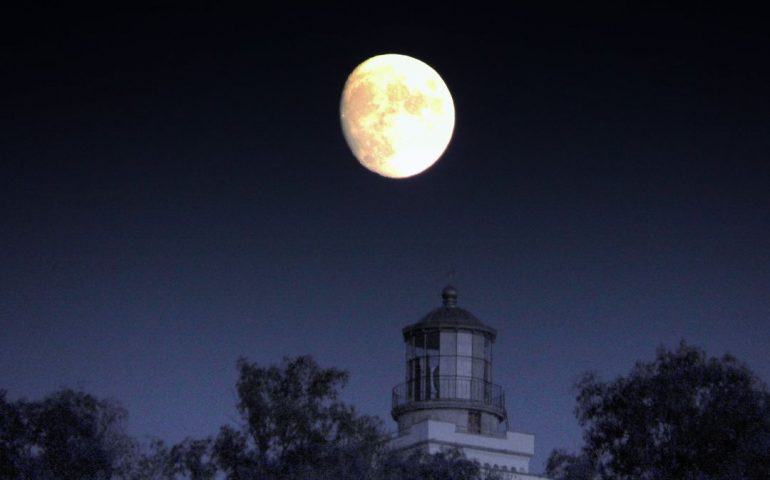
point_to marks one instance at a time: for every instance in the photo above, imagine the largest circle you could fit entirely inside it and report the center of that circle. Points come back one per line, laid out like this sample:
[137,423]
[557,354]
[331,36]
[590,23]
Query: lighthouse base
[507,454]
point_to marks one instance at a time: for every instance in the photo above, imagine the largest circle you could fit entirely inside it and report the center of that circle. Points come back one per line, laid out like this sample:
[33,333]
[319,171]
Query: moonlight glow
[397,115]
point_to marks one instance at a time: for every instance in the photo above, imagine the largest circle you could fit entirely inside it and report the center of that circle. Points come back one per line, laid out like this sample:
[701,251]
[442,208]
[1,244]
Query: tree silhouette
[294,425]
[69,434]
[682,416]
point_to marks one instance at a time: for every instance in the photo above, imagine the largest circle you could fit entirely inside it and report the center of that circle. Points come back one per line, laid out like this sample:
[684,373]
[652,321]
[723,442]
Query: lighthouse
[448,399]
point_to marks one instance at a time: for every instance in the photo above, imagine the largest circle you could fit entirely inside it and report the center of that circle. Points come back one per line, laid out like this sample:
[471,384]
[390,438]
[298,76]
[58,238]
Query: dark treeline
[682,416]
[292,427]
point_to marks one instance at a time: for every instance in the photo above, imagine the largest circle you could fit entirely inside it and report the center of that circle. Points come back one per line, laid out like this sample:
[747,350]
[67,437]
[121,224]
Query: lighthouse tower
[448,400]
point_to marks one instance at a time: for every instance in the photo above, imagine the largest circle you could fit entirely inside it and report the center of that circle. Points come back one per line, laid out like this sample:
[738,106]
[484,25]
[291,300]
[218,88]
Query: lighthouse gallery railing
[453,388]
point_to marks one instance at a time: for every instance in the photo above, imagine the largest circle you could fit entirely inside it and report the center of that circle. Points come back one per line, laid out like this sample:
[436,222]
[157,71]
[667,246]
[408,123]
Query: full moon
[397,115]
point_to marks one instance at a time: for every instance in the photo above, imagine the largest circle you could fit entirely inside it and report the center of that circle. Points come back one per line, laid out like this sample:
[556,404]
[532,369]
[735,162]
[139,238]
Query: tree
[417,465]
[191,459]
[564,466]
[14,439]
[155,461]
[69,434]
[295,426]
[682,416]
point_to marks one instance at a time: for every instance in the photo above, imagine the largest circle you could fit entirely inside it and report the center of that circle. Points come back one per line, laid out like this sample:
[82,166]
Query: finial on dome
[449,294]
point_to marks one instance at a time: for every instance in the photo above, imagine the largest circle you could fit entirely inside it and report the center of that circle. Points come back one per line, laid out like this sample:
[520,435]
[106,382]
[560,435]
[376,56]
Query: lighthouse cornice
[445,323]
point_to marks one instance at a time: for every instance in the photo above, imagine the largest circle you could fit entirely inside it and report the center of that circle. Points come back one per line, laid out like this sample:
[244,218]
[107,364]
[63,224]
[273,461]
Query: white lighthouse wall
[507,452]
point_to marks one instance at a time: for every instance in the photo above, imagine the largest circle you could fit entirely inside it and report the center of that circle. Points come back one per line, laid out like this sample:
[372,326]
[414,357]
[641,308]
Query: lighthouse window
[478,345]
[448,351]
[419,345]
[474,422]
[464,344]
[431,342]
[432,365]
[478,368]
[417,380]
[448,343]
[464,353]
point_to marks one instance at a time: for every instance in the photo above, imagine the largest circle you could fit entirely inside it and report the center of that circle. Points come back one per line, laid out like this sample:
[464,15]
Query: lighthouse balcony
[449,392]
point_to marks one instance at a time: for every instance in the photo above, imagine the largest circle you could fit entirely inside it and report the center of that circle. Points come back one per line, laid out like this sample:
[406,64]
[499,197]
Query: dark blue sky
[176,192]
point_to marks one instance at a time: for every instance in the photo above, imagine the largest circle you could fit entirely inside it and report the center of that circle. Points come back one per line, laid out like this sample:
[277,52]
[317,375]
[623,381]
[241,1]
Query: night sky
[176,192]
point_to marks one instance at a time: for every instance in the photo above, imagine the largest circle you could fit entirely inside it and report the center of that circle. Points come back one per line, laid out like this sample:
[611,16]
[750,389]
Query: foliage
[564,466]
[192,459]
[68,434]
[417,465]
[14,439]
[188,459]
[144,462]
[295,426]
[682,416]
